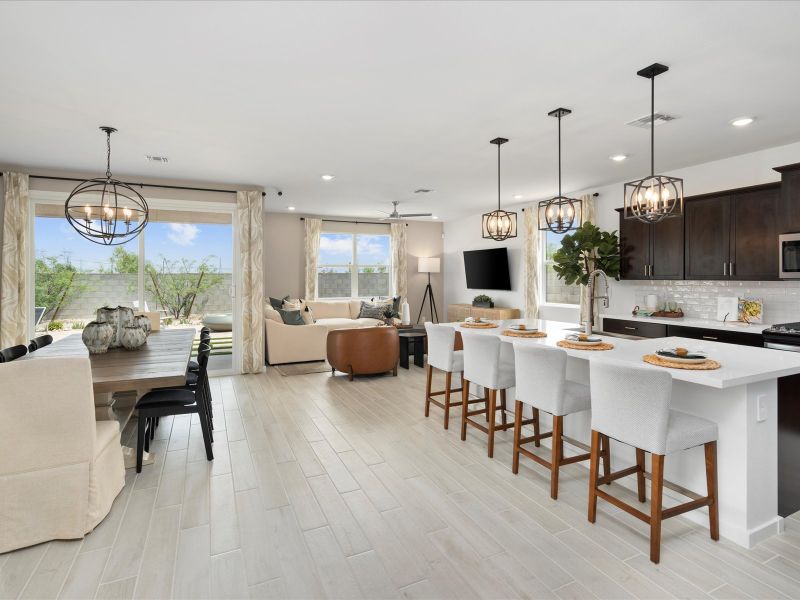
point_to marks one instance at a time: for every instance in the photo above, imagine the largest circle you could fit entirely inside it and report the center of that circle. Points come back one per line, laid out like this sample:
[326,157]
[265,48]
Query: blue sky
[55,237]
[337,249]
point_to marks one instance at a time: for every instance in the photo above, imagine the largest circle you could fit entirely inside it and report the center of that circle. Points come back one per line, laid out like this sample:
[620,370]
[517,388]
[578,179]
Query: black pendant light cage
[105,210]
[499,225]
[656,197]
[560,214]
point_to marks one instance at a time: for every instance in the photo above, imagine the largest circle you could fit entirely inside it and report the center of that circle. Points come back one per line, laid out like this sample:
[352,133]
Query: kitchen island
[741,397]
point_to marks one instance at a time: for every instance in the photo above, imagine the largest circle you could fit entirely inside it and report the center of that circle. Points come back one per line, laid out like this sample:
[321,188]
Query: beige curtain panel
[531,251]
[14,308]
[251,244]
[589,216]
[399,260]
[313,230]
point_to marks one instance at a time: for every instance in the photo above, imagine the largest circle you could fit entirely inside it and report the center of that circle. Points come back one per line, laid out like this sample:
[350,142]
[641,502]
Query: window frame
[353,267]
[543,264]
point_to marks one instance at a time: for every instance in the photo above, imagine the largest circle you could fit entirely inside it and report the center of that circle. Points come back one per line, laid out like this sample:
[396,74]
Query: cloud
[183,234]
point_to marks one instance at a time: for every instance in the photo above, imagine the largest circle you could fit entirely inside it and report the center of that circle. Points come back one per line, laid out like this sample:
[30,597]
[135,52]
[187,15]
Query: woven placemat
[571,346]
[708,365]
[524,333]
[479,325]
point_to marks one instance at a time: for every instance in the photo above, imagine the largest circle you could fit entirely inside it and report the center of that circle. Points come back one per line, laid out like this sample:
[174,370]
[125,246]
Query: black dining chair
[205,338]
[13,353]
[40,342]
[175,401]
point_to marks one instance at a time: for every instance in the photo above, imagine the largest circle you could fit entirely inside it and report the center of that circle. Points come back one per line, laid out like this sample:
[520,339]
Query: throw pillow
[395,302]
[308,316]
[276,303]
[292,317]
[371,311]
[272,314]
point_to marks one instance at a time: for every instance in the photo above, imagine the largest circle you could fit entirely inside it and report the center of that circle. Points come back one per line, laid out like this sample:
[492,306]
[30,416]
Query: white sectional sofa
[300,343]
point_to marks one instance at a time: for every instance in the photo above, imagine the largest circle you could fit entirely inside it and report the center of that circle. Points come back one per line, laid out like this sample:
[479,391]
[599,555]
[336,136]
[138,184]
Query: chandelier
[499,224]
[105,210]
[655,197]
[560,214]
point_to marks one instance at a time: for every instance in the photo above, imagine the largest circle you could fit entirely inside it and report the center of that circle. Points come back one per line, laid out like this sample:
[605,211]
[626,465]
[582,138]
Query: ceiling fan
[395,216]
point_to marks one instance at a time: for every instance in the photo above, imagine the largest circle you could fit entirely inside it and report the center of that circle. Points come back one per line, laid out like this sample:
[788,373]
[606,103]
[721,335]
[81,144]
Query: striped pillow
[371,311]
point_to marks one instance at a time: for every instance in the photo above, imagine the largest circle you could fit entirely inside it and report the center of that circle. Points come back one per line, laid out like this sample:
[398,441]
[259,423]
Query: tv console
[459,312]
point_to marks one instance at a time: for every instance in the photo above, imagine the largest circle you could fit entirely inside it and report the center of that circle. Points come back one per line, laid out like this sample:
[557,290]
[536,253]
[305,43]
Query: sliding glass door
[180,268]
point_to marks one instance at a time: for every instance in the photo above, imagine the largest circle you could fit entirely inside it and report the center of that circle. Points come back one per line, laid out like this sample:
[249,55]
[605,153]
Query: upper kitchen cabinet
[733,235]
[789,206]
[651,251]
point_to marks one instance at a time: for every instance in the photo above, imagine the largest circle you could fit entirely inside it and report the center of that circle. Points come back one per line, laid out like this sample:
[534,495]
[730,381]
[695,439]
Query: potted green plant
[483,301]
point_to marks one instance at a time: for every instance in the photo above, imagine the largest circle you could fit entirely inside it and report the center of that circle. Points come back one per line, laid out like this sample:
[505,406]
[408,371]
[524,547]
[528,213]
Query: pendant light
[656,197]
[560,214]
[499,224]
[105,210]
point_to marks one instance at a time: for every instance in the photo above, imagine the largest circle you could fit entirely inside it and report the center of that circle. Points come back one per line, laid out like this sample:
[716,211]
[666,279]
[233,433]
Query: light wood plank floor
[326,488]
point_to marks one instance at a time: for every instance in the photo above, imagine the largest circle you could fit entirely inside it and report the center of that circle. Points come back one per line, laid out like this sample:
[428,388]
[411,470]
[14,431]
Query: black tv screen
[487,269]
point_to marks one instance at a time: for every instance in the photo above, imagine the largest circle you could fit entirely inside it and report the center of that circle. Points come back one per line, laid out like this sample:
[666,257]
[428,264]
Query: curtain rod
[143,185]
[352,222]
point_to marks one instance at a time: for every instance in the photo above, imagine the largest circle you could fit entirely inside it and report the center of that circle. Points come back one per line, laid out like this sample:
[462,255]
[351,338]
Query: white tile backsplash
[698,299]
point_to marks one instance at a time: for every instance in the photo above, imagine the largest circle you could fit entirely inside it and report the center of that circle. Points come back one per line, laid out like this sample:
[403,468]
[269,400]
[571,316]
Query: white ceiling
[391,97]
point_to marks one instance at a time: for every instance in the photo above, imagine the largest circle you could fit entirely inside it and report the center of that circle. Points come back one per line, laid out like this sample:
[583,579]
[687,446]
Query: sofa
[60,469]
[364,351]
[301,343]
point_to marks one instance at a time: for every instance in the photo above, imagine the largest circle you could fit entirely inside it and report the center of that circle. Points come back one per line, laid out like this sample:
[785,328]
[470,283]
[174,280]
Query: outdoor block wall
[337,285]
[560,292]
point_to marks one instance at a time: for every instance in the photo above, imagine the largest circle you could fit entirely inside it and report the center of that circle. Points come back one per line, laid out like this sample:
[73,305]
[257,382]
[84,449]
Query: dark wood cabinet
[789,204]
[651,251]
[754,234]
[637,328]
[707,242]
[716,335]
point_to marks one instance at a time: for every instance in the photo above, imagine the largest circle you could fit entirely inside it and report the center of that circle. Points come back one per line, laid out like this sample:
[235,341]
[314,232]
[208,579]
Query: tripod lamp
[429,265]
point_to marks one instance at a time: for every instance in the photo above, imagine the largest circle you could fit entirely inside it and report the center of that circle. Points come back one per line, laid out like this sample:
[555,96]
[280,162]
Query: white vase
[143,321]
[405,311]
[133,337]
[97,337]
[119,318]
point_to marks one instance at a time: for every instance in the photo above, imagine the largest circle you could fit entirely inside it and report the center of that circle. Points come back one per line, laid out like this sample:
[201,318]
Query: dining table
[120,376]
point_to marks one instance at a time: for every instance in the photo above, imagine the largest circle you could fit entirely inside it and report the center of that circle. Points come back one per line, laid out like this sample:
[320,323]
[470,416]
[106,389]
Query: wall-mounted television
[487,269]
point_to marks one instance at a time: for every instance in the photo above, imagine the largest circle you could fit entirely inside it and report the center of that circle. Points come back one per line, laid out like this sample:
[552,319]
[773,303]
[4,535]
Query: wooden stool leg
[486,402]
[535,414]
[492,407]
[517,435]
[606,457]
[428,391]
[594,459]
[640,475]
[503,415]
[555,460]
[448,380]
[656,493]
[711,482]
[464,407]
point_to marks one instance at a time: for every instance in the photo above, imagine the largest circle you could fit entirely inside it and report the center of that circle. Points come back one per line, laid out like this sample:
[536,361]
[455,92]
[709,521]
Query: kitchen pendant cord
[652,126]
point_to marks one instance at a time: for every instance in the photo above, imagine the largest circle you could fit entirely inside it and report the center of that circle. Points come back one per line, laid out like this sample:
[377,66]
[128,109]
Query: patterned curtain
[251,242]
[531,248]
[399,261]
[313,229]
[14,309]
[587,202]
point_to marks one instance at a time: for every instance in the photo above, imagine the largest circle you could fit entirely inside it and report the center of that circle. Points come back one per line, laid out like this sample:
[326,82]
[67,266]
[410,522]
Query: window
[555,290]
[353,265]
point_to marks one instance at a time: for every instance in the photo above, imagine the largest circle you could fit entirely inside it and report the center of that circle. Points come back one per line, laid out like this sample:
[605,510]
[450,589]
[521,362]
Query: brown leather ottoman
[364,351]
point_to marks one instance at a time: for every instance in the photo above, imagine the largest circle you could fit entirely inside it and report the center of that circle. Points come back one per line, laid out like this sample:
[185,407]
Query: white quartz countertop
[741,365]
[755,328]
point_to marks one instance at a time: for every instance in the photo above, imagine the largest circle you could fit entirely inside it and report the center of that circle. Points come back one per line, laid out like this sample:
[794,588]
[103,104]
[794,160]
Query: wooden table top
[161,362]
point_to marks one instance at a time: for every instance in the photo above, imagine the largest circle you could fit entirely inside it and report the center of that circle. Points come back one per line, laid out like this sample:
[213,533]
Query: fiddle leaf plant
[585,250]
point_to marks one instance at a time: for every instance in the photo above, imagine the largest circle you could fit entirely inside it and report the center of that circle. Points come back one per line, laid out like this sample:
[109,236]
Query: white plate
[586,343]
[531,329]
[679,359]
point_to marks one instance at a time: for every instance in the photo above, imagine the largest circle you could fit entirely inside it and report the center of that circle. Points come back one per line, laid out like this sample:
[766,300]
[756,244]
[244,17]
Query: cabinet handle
[645,270]
[730,269]
[651,270]
[632,328]
[724,269]
[710,337]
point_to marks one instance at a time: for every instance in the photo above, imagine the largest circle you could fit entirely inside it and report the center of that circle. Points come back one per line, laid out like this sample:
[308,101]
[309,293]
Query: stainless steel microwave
[789,255]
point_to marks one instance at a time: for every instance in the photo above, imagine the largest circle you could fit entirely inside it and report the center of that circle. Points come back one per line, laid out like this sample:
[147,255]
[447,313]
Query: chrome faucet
[592,297]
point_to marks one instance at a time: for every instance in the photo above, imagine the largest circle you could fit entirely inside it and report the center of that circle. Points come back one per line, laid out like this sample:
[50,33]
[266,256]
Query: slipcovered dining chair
[632,405]
[60,469]
[40,342]
[443,356]
[13,353]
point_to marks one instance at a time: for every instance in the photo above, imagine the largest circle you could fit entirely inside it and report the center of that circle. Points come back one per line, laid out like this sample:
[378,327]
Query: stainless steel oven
[789,255]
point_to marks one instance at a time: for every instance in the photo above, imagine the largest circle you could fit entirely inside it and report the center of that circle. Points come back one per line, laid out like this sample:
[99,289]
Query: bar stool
[541,377]
[488,362]
[631,405]
[443,356]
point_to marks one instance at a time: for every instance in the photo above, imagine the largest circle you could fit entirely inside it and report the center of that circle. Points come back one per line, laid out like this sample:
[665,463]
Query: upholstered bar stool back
[442,356]
[632,405]
[541,377]
[488,362]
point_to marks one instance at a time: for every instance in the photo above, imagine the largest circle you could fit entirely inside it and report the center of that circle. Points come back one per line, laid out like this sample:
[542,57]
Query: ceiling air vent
[644,122]
[157,159]
[422,191]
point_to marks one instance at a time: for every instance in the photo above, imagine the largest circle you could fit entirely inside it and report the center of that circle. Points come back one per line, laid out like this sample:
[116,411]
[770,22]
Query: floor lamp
[428,265]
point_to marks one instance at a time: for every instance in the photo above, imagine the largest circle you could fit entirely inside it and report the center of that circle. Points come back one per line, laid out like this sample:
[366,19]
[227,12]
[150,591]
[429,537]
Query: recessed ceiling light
[518,196]
[618,157]
[327,177]
[742,121]
[434,217]
[290,208]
